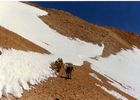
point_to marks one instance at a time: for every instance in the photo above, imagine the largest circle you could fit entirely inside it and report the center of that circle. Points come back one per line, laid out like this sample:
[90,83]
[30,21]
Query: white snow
[19,67]
[123,68]
[112,92]
[95,76]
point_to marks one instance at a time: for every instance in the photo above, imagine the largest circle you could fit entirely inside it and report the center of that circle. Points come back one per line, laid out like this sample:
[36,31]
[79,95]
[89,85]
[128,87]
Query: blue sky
[124,15]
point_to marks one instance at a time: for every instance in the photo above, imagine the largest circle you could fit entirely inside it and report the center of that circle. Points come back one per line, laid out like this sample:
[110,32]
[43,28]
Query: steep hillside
[82,85]
[10,39]
[74,27]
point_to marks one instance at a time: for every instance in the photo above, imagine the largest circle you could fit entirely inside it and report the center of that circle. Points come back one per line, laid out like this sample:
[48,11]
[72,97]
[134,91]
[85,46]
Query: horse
[69,67]
[59,64]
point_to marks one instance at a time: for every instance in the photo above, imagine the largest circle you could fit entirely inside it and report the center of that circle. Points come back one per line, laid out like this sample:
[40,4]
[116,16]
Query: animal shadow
[64,77]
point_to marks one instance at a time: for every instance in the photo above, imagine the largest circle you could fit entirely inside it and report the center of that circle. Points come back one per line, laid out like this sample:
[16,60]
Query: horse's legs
[70,75]
[59,67]
[66,74]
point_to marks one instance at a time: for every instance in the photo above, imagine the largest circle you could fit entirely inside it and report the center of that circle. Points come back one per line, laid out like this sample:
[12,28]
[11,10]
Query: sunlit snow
[112,92]
[19,67]
[123,68]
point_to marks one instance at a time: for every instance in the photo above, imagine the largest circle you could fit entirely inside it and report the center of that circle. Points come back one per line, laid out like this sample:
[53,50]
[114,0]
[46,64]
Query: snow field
[25,22]
[123,68]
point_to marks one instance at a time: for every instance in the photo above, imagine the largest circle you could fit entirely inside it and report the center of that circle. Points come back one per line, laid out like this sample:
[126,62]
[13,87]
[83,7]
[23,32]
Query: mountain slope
[74,27]
[9,39]
[85,86]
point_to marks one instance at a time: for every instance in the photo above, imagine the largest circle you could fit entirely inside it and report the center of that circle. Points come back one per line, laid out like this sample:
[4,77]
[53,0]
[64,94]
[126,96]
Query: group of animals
[69,67]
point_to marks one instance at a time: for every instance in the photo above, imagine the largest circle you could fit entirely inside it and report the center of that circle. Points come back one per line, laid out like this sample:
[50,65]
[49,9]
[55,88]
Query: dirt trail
[110,32]
[80,87]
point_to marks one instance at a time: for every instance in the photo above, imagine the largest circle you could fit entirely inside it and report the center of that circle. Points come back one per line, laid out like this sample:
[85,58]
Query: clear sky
[124,15]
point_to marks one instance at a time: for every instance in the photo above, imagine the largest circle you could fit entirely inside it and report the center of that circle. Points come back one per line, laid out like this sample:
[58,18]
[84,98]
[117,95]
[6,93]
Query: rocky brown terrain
[82,85]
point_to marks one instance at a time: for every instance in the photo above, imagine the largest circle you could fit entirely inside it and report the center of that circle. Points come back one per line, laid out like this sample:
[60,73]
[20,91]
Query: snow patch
[112,92]
[95,76]
[19,67]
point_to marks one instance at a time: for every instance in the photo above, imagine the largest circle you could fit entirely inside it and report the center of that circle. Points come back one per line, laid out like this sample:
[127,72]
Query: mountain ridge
[74,27]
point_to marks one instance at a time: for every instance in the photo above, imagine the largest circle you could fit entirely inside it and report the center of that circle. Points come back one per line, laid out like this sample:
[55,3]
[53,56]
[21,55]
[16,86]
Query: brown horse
[69,67]
[59,64]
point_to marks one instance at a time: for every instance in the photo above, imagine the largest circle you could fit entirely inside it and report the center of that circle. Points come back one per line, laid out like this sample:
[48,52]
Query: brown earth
[10,40]
[82,85]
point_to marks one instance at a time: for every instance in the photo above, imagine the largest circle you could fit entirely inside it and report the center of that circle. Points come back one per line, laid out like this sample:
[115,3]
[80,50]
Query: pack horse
[69,67]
